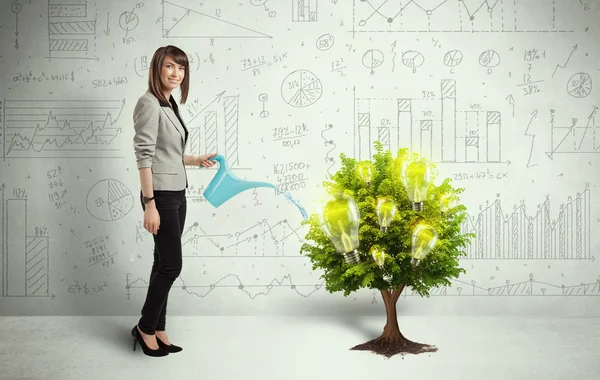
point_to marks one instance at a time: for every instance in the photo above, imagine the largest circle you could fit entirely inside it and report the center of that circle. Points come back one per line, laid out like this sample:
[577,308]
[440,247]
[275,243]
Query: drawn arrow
[217,99]
[568,59]
[511,101]
[533,117]
[107,30]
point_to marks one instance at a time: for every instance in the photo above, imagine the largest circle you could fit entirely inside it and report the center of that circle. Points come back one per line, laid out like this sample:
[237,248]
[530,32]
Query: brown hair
[154,83]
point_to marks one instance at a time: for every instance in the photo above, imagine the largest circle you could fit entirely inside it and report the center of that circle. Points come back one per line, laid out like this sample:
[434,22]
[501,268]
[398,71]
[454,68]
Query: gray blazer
[159,142]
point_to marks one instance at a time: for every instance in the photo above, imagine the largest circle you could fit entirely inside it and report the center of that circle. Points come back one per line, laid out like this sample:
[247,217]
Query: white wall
[504,104]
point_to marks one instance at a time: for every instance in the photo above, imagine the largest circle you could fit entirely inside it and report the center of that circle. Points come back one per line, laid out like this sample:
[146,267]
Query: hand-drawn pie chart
[109,200]
[372,59]
[453,58]
[579,85]
[301,88]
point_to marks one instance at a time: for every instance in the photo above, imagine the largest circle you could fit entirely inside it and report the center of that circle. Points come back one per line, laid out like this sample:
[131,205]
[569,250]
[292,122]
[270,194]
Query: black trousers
[172,207]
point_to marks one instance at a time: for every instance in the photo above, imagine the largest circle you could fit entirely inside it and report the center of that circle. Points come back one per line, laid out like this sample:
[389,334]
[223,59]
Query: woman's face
[171,74]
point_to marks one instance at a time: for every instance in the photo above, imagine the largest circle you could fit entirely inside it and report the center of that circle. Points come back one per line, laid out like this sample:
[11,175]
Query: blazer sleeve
[145,122]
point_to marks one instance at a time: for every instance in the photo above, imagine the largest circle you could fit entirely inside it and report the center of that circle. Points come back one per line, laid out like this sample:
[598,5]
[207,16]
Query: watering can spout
[226,185]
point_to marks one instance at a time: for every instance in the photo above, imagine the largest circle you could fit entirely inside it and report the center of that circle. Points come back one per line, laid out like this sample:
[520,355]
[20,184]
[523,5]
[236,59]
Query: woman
[159,144]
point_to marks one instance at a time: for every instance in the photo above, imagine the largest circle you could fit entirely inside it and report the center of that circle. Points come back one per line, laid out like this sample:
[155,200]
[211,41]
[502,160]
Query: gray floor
[282,348]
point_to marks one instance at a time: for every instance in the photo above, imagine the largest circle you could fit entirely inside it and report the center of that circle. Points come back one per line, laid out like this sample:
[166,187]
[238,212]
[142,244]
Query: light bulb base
[443,214]
[351,257]
[383,229]
[417,206]
[415,262]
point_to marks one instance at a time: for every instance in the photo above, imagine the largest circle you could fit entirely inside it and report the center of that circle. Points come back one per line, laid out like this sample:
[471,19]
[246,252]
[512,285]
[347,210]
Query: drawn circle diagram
[325,42]
[489,58]
[128,21]
[15,7]
[453,58]
[412,59]
[372,58]
[579,85]
[109,200]
[301,89]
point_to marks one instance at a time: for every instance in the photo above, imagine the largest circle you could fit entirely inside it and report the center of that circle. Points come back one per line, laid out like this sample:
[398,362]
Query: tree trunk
[391,331]
[391,341]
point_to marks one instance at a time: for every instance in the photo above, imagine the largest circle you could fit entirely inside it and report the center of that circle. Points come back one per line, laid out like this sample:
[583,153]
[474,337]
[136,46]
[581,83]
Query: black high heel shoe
[169,348]
[137,338]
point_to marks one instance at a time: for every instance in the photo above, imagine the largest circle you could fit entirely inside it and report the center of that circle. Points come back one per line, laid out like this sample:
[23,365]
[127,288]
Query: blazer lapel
[175,121]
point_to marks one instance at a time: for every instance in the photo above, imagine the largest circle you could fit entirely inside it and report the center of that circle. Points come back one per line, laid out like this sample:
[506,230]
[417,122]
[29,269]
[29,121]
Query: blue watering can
[226,185]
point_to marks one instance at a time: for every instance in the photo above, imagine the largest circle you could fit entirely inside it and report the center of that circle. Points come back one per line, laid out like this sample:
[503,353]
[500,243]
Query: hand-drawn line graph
[458,288]
[71,29]
[230,281]
[61,128]
[395,123]
[182,22]
[251,242]
[219,130]
[305,10]
[484,16]
[25,258]
[517,235]
[526,288]
[575,138]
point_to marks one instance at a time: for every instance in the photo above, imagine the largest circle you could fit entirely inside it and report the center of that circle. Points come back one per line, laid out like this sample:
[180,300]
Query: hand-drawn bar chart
[71,29]
[473,136]
[532,235]
[25,258]
[304,10]
[219,130]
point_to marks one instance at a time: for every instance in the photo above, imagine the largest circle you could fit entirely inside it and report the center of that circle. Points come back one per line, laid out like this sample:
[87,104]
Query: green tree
[398,270]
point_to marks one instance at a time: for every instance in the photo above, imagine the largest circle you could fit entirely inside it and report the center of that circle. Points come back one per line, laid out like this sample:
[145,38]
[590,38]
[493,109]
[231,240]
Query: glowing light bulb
[339,220]
[447,202]
[424,238]
[416,177]
[386,209]
[364,170]
[379,256]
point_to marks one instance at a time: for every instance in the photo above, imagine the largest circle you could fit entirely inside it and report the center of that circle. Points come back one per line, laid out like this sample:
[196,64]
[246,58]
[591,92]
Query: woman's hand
[151,219]
[205,160]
